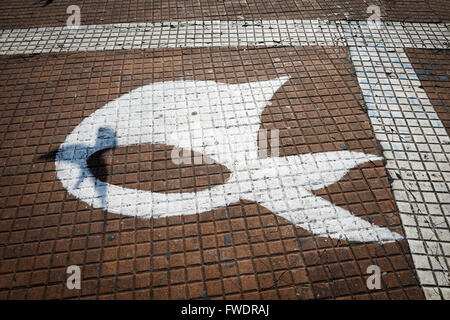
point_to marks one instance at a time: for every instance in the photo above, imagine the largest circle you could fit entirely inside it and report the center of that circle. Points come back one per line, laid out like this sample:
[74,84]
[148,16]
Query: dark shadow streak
[95,163]
[46,2]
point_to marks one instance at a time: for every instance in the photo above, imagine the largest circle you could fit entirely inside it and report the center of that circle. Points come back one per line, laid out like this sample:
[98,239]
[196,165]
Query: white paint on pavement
[417,149]
[220,121]
[215,33]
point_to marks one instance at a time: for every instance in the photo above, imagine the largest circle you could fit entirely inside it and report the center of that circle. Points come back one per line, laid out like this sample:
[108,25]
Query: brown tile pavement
[240,251]
[433,69]
[35,13]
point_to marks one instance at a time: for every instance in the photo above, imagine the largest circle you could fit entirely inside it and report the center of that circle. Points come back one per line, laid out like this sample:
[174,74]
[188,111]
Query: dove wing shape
[220,121]
[216,119]
[283,186]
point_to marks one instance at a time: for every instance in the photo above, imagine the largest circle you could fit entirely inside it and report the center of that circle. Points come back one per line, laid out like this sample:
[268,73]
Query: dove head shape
[221,121]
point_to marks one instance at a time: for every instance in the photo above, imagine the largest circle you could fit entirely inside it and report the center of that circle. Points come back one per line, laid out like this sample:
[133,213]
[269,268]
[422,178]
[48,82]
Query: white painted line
[398,35]
[417,149]
[223,34]
[170,35]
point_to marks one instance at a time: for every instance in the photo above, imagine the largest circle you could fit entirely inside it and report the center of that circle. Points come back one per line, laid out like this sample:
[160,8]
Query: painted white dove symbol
[220,121]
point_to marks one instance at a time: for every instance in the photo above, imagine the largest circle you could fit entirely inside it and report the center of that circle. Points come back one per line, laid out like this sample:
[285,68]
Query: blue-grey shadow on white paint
[77,154]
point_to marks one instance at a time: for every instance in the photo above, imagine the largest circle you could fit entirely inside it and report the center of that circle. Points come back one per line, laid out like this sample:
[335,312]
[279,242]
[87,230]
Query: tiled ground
[416,148]
[381,92]
[433,70]
[240,251]
[35,13]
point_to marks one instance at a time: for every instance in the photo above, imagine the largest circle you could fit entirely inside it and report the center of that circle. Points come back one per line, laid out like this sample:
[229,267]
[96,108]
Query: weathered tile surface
[91,118]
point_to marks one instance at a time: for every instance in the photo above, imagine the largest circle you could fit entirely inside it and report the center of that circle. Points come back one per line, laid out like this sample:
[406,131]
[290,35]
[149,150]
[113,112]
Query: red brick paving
[33,13]
[242,251]
[433,70]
